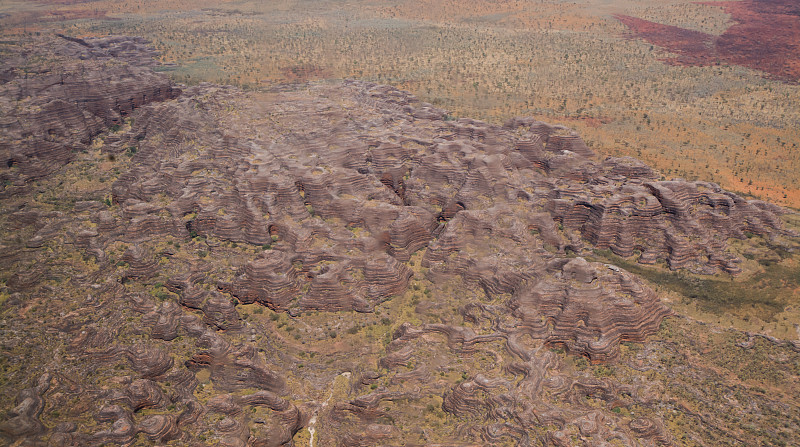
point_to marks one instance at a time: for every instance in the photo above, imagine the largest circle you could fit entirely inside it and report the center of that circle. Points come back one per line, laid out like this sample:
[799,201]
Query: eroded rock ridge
[342,195]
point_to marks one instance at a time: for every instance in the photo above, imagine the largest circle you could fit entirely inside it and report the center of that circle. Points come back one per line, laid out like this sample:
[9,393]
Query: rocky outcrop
[588,308]
[314,282]
[22,422]
[257,248]
[234,367]
[52,113]
[685,224]
[287,418]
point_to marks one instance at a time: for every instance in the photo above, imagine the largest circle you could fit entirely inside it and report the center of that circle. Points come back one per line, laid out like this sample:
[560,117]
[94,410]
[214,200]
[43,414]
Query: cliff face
[331,197]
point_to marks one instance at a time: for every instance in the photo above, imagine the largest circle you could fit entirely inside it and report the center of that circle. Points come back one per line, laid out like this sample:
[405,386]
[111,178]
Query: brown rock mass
[182,284]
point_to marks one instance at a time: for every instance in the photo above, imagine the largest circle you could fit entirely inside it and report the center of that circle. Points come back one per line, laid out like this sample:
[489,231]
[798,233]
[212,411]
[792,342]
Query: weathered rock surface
[328,197]
[57,107]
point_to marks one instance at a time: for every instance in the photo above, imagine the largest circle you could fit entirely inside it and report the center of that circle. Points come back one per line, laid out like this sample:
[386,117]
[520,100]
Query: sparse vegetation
[763,294]
[556,61]
[392,368]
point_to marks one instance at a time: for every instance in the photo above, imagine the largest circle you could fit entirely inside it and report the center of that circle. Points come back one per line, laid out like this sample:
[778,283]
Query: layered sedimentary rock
[587,307]
[53,111]
[23,420]
[181,287]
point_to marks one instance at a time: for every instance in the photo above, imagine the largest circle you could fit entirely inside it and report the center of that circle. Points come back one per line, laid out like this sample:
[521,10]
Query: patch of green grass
[764,294]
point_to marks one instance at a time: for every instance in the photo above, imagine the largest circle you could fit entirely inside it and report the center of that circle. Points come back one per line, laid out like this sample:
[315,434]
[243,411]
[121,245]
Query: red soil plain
[766,37]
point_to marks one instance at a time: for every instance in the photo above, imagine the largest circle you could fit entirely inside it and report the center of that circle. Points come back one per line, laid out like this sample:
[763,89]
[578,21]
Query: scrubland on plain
[567,62]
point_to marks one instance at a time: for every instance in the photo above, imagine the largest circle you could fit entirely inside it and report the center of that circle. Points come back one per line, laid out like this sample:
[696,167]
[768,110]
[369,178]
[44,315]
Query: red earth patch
[766,37]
